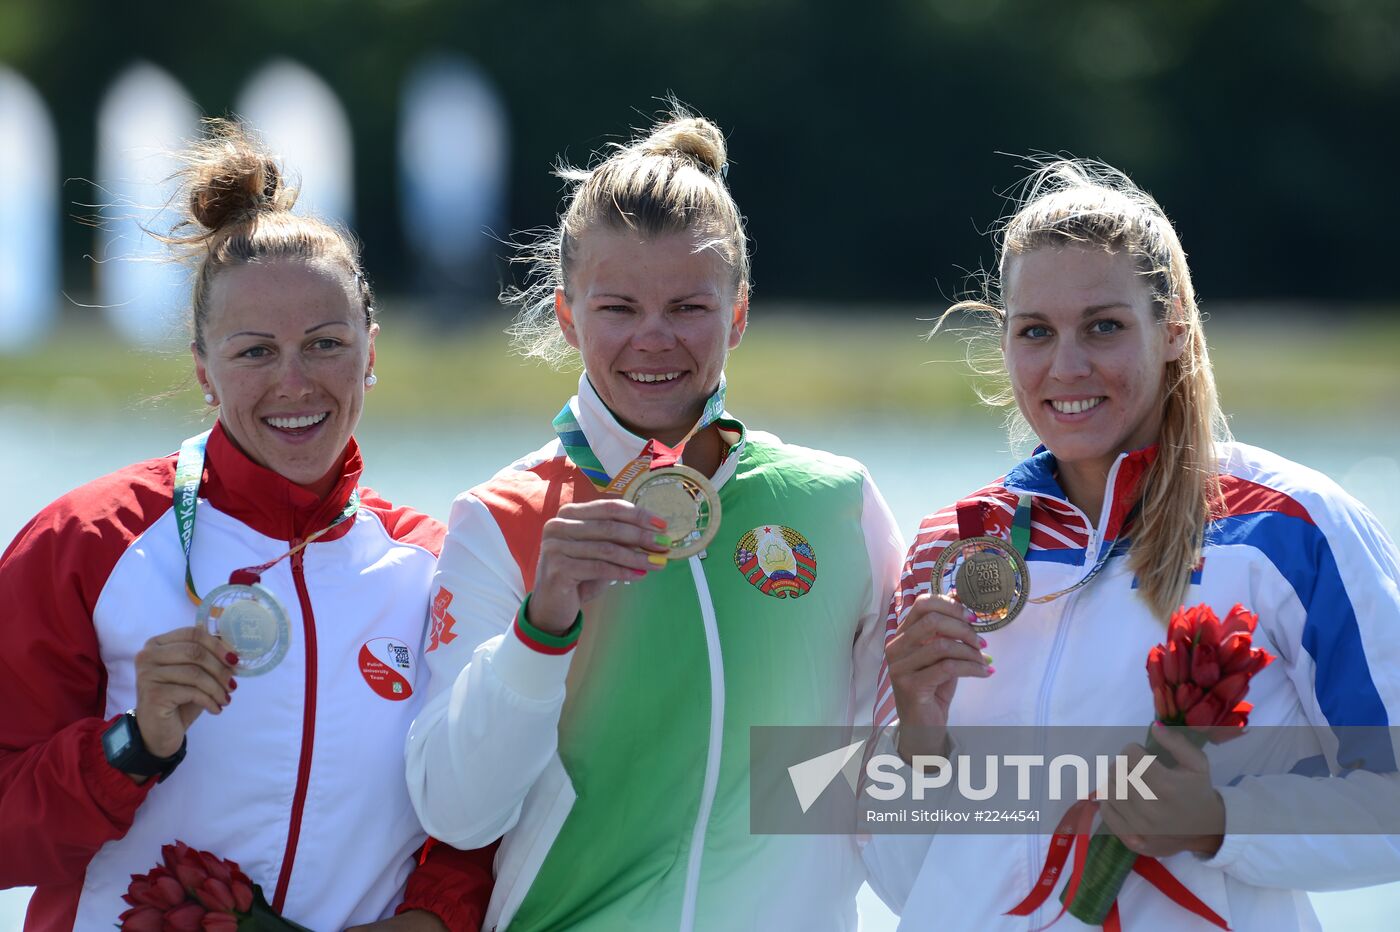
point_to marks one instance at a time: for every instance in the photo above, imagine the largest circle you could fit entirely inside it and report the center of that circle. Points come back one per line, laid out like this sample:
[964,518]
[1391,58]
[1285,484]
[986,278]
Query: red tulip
[1187,695]
[1159,703]
[1156,678]
[141,919]
[215,866]
[185,863]
[156,889]
[1201,674]
[1205,670]
[242,889]
[213,893]
[1240,620]
[1206,713]
[1172,662]
[1233,652]
[195,891]
[186,918]
[1231,689]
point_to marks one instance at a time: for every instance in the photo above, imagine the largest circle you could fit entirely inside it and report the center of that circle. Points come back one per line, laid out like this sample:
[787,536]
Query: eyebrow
[631,300]
[1089,311]
[273,336]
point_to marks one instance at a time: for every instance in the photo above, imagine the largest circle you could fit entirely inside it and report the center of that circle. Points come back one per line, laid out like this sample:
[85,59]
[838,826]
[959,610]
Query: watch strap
[135,758]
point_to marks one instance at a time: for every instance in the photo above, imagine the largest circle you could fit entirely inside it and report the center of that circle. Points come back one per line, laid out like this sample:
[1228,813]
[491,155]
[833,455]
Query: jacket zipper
[308,732]
[1091,553]
[707,793]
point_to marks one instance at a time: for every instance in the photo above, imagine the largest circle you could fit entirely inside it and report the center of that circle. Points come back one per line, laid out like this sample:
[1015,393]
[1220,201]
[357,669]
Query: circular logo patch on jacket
[777,560]
[387,666]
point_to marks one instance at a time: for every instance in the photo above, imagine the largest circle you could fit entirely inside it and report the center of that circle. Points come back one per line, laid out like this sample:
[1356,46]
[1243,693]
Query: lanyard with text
[654,455]
[189,468]
[1021,540]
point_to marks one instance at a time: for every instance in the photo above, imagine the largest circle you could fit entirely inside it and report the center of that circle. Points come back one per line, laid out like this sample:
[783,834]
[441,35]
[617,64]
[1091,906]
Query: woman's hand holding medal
[180,674]
[933,647]
[586,547]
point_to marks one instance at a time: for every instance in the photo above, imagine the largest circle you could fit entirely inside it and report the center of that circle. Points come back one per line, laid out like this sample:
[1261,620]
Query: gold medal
[685,500]
[989,577]
[253,623]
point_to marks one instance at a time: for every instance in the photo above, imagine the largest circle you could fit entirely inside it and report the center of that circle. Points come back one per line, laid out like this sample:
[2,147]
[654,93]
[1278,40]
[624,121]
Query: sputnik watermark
[934,772]
[886,780]
[1022,779]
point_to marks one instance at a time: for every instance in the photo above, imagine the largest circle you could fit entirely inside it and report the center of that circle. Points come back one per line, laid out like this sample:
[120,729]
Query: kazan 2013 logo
[777,560]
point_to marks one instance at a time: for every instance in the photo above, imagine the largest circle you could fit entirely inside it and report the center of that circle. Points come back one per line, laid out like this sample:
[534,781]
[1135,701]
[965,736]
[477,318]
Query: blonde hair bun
[695,138]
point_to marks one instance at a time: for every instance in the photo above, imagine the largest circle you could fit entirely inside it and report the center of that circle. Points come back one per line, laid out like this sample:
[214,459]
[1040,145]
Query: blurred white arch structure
[29,273]
[300,119]
[454,151]
[144,119]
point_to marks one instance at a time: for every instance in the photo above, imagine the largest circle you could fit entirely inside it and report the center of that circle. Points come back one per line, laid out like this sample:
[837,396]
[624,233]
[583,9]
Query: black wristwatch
[127,752]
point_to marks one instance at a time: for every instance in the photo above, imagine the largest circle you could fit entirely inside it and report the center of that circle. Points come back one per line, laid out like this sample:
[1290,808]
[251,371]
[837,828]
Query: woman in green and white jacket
[591,699]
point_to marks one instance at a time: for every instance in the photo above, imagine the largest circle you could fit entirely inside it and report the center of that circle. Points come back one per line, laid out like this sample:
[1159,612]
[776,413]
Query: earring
[208,398]
[371,380]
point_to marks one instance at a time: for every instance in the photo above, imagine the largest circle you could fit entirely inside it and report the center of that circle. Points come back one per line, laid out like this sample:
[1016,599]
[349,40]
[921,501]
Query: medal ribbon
[971,524]
[189,469]
[1023,522]
[654,455]
[1072,835]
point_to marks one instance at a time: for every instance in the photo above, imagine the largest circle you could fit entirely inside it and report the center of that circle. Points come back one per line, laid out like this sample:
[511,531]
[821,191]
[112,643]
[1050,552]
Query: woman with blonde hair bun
[613,612]
[251,560]
[1137,502]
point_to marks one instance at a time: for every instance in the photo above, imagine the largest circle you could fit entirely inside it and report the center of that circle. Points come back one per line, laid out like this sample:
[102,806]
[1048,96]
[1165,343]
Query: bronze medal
[251,621]
[988,576]
[685,500]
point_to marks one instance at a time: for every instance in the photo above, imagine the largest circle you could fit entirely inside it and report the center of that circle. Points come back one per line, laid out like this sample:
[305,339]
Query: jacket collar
[616,446]
[268,502]
[1036,476]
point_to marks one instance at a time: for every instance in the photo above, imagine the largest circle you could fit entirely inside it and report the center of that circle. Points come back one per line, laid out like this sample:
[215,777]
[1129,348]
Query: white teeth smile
[653,377]
[1076,407]
[294,423]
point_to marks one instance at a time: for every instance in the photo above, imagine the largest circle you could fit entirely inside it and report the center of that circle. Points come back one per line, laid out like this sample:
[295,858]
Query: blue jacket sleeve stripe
[1343,684]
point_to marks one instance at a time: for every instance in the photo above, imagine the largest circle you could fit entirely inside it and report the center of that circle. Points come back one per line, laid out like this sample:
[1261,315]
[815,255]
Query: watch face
[116,740]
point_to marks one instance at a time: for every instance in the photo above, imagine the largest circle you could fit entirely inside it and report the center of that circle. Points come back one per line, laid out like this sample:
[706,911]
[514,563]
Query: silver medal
[251,621]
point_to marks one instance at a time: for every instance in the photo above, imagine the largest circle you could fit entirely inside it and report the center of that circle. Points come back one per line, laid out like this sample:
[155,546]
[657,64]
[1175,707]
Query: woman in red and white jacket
[125,727]
[1097,328]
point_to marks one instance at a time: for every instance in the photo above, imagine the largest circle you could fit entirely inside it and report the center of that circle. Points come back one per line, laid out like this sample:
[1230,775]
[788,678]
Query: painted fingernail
[971,616]
[981,642]
[232,658]
[656,559]
[228,697]
[659,523]
[664,540]
[991,670]
[639,572]
[1159,726]
[232,685]
[988,659]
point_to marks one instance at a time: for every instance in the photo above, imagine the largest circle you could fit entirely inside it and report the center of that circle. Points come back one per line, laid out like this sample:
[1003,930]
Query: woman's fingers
[933,616]
[173,694]
[611,511]
[179,673]
[196,652]
[938,651]
[604,551]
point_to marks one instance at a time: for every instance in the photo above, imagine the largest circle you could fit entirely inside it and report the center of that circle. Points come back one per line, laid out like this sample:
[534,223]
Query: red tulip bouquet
[1199,679]
[195,891]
